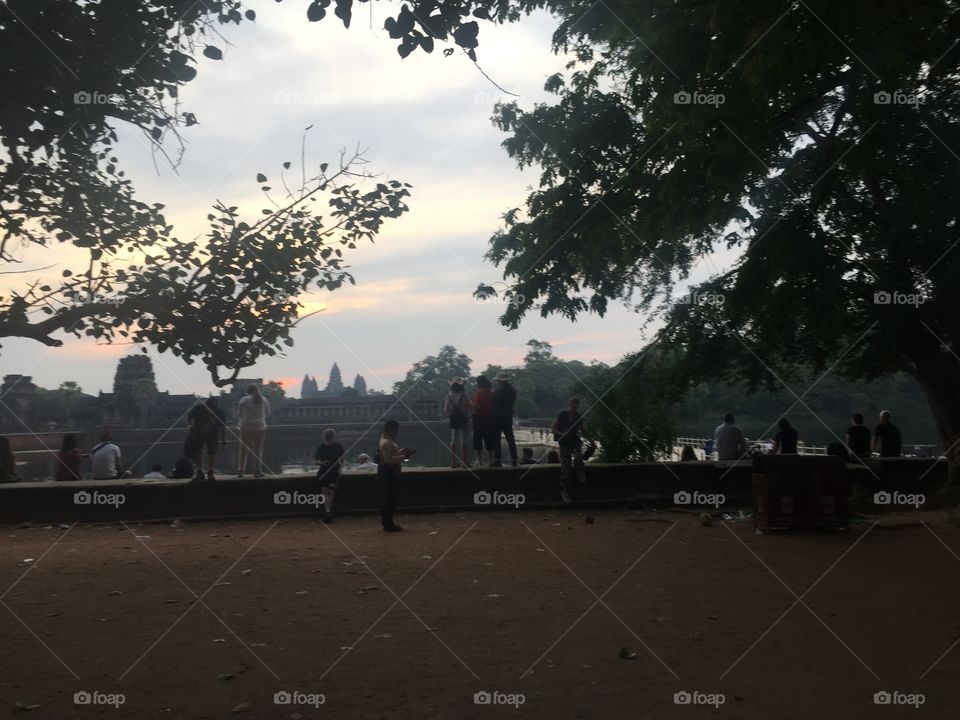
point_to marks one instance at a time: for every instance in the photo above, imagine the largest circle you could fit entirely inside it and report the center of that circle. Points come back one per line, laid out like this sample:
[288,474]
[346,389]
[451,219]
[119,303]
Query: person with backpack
[457,408]
[106,462]
[330,463]
[485,434]
[208,427]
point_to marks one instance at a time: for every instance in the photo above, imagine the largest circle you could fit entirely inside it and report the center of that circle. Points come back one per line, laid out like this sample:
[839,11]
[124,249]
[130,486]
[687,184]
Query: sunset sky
[425,120]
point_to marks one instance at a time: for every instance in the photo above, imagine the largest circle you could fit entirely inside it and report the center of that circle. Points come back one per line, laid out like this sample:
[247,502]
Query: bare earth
[515,603]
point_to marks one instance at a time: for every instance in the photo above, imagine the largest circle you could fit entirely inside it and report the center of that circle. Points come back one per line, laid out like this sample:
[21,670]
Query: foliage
[429,379]
[227,299]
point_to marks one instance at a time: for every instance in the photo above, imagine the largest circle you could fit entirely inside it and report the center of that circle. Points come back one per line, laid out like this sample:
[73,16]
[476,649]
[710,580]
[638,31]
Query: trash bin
[800,491]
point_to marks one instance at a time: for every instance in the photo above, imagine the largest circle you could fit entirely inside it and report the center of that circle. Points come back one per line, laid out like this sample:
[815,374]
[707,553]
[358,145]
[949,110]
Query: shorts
[194,444]
[484,432]
[329,475]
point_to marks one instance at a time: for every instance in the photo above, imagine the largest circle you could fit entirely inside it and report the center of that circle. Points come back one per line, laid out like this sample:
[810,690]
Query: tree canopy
[429,379]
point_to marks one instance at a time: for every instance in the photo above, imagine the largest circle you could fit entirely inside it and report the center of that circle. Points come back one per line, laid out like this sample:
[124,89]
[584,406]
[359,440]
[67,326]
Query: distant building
[309,388]
[334,384]
[360,385]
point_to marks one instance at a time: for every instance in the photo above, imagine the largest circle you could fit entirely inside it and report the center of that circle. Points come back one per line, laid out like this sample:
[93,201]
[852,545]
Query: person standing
[329,463]
[786,439]
[388,470]
[457,408]
[485,435]
[8,464]
[252,412]
[504,398]
[728,440]
[208,427]
[68,459]
[106,462]
[858,438]
[566,431]
[886,437]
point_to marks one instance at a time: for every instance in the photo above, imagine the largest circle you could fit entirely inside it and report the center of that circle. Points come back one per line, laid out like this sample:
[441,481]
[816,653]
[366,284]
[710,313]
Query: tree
[817,139]
[273,391]
[226,300]
[429,379]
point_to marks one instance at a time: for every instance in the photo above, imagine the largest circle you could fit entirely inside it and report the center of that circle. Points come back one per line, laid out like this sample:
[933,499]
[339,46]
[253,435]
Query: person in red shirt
[68,459]
[484,426]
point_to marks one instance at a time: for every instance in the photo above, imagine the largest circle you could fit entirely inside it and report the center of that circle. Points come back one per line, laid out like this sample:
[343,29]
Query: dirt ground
[213,619]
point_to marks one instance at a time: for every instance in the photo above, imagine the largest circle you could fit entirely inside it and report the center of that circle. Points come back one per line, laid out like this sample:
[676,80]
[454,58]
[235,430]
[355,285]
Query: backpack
[457,417]
[183,468]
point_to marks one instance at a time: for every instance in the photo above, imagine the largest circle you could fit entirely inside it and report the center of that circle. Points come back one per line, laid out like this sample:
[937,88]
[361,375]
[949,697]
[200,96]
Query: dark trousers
[390,479]
[504,425]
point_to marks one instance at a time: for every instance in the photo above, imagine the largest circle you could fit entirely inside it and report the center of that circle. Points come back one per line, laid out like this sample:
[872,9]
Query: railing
[758,445]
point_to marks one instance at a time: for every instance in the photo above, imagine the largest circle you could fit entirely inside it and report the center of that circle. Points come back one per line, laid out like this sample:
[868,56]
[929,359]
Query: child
[330,462]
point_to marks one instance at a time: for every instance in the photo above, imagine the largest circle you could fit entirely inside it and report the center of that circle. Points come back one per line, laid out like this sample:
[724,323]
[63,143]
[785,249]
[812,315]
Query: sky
[424,120]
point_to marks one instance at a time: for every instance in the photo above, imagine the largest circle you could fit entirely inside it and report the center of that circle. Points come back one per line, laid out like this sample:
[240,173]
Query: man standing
[566,431]
[388,470]
[504,398]
[729,440]
[886,437]
[106,462]
[208,427]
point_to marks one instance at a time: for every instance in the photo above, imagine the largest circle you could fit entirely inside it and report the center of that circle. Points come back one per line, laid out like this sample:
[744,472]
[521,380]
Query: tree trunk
[939,376]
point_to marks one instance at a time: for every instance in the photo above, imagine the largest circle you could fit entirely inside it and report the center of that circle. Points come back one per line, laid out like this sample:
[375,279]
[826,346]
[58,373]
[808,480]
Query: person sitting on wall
[106,462]
[526,457]
[886,437]
[729,440]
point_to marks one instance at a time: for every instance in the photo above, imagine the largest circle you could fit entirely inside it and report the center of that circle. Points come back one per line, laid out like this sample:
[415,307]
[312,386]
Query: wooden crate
[800,492]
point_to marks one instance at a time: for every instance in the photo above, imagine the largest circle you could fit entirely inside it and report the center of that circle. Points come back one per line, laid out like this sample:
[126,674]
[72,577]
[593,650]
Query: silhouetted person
[687,454]
[208,428]
[156,473]
[330,463]
[858,438]
[485,433]
[729,440]
[504,398]
[8,464]
[388,470]
[526,457]
[68,459]
[886,437]
[457,408]
[553,458]
[785,441]
[566,429]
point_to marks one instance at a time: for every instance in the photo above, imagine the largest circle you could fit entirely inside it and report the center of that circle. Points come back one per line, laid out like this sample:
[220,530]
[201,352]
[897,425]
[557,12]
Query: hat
[457,381]
[502,377]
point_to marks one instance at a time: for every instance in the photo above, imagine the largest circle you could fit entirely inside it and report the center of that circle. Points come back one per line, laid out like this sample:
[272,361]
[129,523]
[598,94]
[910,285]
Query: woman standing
[68,459]
[252,412]
[484,428]
[457,408]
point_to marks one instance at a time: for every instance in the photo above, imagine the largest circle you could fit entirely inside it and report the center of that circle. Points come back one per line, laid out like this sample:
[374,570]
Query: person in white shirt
[364,463]
[156,473]
[252,412]
[106,462]
[729,440]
